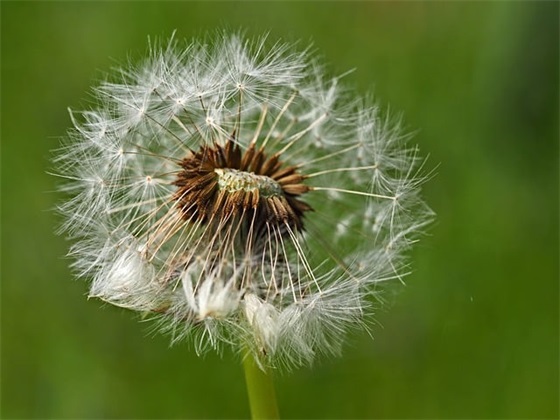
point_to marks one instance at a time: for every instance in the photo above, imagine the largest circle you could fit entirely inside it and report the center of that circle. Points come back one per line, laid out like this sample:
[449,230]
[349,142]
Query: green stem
[260,387]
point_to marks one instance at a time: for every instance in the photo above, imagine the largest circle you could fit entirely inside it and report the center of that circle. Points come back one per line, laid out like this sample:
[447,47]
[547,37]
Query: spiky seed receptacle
[240,196]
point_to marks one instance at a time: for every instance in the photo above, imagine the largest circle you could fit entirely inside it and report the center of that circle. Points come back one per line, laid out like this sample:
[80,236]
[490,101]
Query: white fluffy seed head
[231,190]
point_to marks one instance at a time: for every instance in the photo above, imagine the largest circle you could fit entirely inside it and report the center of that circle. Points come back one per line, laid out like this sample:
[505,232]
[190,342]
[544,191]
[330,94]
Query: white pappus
[233,191]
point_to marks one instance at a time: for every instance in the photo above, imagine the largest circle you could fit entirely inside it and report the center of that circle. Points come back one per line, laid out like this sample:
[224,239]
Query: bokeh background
[473,334]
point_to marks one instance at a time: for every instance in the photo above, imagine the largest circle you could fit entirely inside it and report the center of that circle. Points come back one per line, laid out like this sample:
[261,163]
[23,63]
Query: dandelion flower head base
[219,183]
[233,191]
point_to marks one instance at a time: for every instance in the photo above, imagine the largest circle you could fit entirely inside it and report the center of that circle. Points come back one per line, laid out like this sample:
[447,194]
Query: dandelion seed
[241,197]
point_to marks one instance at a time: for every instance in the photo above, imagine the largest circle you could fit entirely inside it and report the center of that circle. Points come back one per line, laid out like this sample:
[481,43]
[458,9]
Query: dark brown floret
[219,183]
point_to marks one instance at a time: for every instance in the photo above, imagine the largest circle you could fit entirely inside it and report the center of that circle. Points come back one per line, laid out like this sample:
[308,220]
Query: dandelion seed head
[232,191]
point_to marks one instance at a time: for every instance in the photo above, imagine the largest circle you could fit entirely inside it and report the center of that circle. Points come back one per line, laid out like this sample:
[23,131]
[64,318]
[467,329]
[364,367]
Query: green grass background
[473,334]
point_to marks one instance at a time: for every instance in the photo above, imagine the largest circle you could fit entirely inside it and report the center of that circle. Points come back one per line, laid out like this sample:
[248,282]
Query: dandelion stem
[260,389]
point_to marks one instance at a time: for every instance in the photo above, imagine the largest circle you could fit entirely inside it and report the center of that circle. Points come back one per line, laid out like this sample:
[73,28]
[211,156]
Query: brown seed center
[218,182]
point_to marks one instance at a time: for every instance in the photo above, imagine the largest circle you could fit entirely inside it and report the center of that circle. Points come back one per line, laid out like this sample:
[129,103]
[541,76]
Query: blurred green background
[473,334]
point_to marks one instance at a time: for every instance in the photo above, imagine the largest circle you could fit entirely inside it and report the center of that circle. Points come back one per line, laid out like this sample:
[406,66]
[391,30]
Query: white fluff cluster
[285,292]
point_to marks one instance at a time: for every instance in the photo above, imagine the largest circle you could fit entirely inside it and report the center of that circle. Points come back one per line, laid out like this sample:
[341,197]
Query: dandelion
[232,191]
